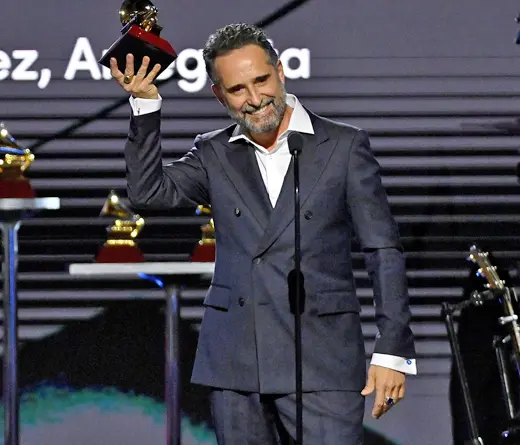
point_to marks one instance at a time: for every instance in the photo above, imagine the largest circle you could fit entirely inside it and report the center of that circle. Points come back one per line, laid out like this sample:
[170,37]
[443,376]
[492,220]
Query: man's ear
[218,94]
[279,69]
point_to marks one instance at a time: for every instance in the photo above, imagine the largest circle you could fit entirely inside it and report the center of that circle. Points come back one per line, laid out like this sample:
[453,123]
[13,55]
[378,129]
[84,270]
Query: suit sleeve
[150,184]
[378,236]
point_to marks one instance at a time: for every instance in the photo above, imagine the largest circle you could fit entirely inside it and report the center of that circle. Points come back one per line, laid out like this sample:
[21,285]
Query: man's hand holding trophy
[140,84]
[140,41]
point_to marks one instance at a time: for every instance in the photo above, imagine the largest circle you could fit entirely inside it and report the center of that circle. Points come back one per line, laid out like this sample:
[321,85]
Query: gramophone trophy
[14,160]
[204,251]
[120,246]
[141,37]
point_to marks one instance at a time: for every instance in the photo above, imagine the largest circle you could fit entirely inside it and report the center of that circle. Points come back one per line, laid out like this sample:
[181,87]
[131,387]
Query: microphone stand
[296,285]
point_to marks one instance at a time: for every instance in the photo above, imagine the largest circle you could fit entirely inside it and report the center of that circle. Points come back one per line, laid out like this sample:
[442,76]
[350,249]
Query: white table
[170,276]
[12,212]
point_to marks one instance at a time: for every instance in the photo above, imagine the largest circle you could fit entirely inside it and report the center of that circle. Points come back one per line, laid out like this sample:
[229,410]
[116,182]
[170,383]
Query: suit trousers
[329,418]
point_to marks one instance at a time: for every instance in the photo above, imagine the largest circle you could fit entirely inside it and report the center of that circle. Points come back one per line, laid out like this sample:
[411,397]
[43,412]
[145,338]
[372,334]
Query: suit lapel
[313,159]
[241,167]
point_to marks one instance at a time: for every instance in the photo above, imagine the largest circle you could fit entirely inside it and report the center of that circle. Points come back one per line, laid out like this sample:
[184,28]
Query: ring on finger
[127,79]
[389,401]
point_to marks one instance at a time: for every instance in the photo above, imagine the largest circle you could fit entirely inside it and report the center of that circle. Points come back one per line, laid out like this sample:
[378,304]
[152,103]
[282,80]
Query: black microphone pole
[296,286]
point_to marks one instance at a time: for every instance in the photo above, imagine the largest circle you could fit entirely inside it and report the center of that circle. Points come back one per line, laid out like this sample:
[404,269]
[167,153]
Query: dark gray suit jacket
[246,338]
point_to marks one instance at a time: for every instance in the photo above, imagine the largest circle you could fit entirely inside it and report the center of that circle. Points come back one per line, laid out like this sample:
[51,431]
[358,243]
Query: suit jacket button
[241,301]
[307,215]
[237,212]
[257,260]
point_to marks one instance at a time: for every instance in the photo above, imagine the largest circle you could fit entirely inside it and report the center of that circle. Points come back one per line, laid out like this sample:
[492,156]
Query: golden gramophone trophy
[120,246]
[14,161]
[141,37]
[204,251]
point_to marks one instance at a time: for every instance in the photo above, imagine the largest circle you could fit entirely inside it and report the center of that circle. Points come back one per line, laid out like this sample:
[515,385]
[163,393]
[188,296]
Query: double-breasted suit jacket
[246,339]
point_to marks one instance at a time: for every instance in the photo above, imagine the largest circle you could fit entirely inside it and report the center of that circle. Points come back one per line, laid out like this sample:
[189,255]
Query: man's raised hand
[140,84]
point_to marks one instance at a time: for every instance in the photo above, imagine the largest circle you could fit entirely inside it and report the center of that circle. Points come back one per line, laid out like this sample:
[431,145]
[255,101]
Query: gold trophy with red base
[204,251]
[14,161]
[120,246]
[141,37]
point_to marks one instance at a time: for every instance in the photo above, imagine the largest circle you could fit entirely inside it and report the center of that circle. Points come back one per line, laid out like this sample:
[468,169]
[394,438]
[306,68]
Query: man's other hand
[389,386]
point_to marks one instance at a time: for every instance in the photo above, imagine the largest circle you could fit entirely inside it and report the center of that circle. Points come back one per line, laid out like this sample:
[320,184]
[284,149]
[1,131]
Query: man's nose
[255,98]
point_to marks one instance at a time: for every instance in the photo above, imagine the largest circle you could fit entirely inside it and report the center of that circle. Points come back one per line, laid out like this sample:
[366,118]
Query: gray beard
[279,107]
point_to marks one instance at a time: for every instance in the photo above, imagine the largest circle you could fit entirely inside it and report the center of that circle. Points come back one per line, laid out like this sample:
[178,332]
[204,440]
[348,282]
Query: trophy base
[140,43]
[16,188]
[119,254]
[203,253]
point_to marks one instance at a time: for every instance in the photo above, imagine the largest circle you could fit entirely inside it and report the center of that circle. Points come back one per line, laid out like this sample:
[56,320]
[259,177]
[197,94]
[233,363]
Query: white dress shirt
[275,163]
[273,166]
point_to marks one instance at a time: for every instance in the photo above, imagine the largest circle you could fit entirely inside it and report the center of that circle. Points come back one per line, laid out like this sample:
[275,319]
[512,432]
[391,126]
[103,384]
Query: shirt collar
[300,121]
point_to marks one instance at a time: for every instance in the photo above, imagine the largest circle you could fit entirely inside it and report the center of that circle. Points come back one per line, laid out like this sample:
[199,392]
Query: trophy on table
[205,249]
[14,160]
[140,37]
[120,246]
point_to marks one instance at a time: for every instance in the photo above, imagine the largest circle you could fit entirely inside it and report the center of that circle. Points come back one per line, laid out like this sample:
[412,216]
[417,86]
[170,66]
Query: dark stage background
[436,84]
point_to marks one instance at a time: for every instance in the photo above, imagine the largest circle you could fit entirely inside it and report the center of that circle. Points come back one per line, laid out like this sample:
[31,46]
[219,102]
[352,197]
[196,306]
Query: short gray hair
[235,36]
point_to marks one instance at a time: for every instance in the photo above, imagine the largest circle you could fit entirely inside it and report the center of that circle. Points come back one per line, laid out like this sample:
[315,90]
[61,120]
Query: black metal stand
[511,434]
[499,344]
[296,285]
[447,314]
[476,299]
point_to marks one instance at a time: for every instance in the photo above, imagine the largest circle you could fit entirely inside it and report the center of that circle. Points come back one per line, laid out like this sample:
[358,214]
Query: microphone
[295,142]
[295,278]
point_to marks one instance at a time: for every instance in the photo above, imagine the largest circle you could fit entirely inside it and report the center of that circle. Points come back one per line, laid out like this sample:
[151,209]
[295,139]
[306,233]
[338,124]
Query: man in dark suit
[246,345]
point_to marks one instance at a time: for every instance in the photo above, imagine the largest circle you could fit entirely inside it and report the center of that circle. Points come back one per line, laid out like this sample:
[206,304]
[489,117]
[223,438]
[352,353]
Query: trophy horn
[203,210]
[205,249]
[6,140]
[13,154]
[114,207]
[141,12]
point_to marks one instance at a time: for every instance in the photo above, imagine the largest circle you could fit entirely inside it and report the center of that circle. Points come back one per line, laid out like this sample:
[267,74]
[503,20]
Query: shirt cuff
[408,366]
[142,106]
